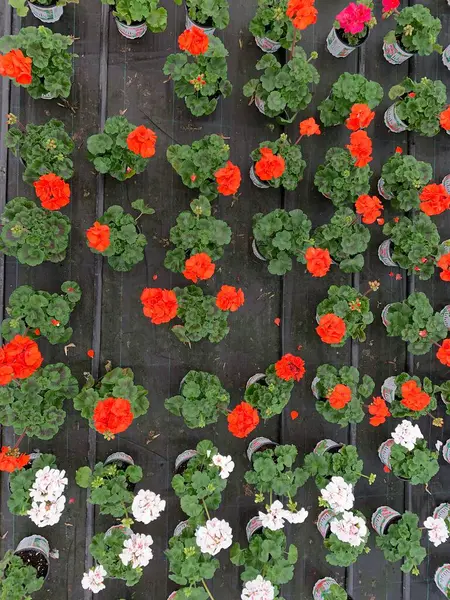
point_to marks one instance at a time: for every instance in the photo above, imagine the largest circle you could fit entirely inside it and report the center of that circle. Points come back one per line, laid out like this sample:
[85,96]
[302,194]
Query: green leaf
[140,206]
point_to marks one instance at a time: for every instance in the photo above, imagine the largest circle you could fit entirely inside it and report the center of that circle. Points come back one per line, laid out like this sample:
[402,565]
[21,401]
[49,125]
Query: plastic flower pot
[122,461]
[132,31]
[446,451]
[446,182]
[47,14]
[180,528]
[257,378]
[206,28]
[337,46]
[256,180]
[259,444]
[323,522]
[393,121]
[253,526]
[34,551]
[172,596]
[442,579]
[267,45]
[322,586]
[445,312]
[395,54]
[389,386]
[442,511]
[383,518]
[384,453]
[182,460]
[382,191]
[327,446]
[385,253]
[446,56]
[256,252]
[260,105]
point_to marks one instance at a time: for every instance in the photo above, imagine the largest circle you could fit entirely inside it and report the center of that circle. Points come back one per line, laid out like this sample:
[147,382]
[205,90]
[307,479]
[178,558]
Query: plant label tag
[394,54]
[323,522]
[46,14]
[384,452]
[393,121]
[337,48]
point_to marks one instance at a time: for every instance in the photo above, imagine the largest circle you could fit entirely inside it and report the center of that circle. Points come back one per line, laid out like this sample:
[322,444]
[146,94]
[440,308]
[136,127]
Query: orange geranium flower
[318,261]
[434,199]
[379,410]
[142,141]
[369,207]
[194,41]
[160,306]
[52,191]
[413,397]
[17,66]
[11,459]
[309,127]
[443,354]
[112,415]
[99,237]
[228,179]
[444,264]
[23,355]
[199,266]
[242,420]
[302,13]
[269,166]
[360,148]
[6,371]
[290,367]
[331,329]
[229,298]
[340,396]
[360,117]
[444,119]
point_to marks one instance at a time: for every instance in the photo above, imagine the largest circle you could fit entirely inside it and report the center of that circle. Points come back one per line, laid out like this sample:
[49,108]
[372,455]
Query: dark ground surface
[112,75]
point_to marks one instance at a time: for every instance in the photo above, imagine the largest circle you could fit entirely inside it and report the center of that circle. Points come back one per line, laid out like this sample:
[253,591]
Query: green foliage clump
[404,177]
[272,22]
[416,30]
[418,466]
[21,481]
[22,8]
[343,554]
[271,395]
[17,580]
[140,11]
[215,12]
[402,541]
[345,463]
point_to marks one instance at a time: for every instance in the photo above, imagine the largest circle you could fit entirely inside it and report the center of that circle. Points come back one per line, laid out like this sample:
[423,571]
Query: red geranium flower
[399,150]
[11,459]
[229,298]
[269,166]
[290,367]
[413,397]
[340,396]
[444,119]
[434,199]
[17,66]
[23,355]
[242,420]
[194,41]
[443,354]
[360,148]
[369,207]
[228,179]
[318,261]
[309,127]
[52,191]
[331,329]
[360,117]
[98,237]
[160,306]
[302,13]
[112,415]
[379,410]
[444,264]
[199,266]
[389,6]
[142,141]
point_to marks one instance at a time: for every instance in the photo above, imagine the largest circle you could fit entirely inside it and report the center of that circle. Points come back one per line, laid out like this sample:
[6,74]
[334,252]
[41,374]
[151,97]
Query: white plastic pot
[395,54]
[267,45]
[393,121]
[46,14]
[382,518]
[131,32]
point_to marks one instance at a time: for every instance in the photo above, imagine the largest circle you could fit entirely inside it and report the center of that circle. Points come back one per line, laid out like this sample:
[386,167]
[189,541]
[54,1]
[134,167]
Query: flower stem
[206,511]
[22,435]
[207,589]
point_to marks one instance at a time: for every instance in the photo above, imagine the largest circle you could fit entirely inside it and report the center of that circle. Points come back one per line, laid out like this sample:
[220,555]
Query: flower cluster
[276,516]
[19,359]
[194,41]
[94,578]
[318,261]
[349,528]
[354,18]
[369,207]
[406,434]
[302,13]
[15,65]
[47,496]
[228,179]
[214,536]
[242,420]
[258,589]
[112,415]
[379,411]
[290,367]
[11,459]
[137,551]
[225,464]
[360,117]
[52,191]
[147,506]
[413,397]
[338,495]
[434,199]
[438,532]
[360,148]
[142,141]
[331,329]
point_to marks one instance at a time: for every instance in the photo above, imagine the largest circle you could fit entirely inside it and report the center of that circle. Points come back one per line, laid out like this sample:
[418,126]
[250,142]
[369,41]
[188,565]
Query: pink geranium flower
[354,18]
[389,6]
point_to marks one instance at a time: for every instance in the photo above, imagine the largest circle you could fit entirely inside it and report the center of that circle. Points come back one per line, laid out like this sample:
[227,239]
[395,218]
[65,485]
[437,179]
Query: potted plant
[330,459]
[283,90]
[351,28]
[399,538]
[413,244]
[33,234]
[197,233]
[200,478]
[268,561]
[206,15]
[122,150]
[42,149]
[417,107]
[270,392]
[277,164]
[345,239]
[203,316]
[278,236]
[402,179]
[47,11]
[407,455]
[38,491]
[37,59]
[328,589]
[409,397]
[199,164]
[134,18]
[345,313]
[345,536]
[347,90]
[340,396]
[117,237]
[415,322]
[416,32]
[24,571]
[113,402]
[37,313]
[271,26]
[340,180]
[200,72]
[200,401]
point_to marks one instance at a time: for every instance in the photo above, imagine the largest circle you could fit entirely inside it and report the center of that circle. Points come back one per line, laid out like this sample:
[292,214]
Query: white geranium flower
[93,579]
[258,589]
[349,528]
[147,506]
[274,518]
[137,551]
[44,514]
[48,485]
[438,532]
[296,517]
[406,434]
[225,464]
[338,494]
[214,536]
